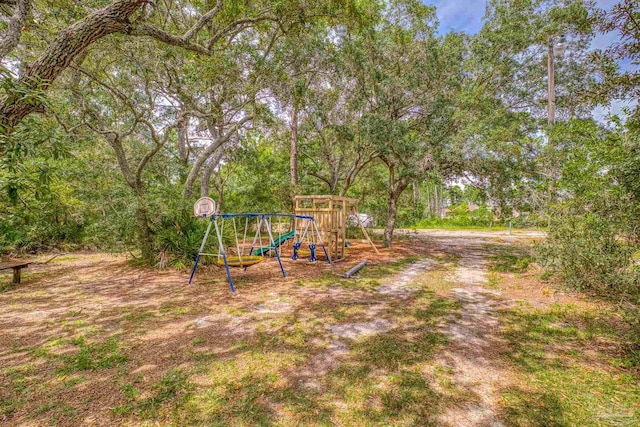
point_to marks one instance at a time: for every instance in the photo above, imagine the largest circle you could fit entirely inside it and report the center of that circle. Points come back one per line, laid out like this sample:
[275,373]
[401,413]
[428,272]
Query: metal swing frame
[263,218]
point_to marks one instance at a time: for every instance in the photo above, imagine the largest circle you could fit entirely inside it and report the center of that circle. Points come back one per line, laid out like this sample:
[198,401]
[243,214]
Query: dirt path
[470,356]
[312,374]
[92,340]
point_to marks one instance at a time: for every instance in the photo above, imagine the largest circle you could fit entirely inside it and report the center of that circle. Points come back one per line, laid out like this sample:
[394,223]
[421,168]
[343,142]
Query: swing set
[237,255]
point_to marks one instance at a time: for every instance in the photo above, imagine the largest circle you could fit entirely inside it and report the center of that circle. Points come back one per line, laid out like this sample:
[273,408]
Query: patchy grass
[89,356]
[440,277]
[381,270]
[571,367]
[239,391]
[568,360]
[368,278]
[138,316]
[383,381]
[509,259]
[93,356]
[7,284]
[21,380]
[451,226]
[165,395]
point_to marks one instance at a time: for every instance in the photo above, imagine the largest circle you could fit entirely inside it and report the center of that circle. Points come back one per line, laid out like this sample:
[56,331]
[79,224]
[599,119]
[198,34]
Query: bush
[592,252]
[460,216]
[179,238]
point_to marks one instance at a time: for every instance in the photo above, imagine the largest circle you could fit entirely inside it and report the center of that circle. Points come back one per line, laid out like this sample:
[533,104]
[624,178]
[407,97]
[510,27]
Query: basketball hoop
[205,206]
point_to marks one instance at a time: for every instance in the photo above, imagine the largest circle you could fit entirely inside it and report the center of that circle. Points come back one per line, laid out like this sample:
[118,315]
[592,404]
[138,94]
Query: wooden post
[16,275]
[364,230]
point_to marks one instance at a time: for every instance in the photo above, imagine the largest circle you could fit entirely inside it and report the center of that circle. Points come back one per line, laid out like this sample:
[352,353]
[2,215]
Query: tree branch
[11,36]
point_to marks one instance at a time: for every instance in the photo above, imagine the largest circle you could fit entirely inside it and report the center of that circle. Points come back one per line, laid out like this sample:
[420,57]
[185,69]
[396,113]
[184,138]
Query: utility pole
[553,49]
[551,87]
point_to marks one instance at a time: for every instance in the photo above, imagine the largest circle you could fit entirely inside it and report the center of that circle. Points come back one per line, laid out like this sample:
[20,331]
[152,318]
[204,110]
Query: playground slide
[279,241]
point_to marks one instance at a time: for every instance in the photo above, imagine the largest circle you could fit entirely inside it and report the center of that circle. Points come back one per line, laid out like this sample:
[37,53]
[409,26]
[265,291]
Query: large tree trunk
[197,166]
[416,195]
[143,230]
[11,36]
[206,179]
[68,44]
[392,209]
[208,172]
[392,212]
[133,178]
[220,198]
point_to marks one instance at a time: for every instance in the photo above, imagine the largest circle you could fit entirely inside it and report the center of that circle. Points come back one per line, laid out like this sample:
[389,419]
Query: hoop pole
[275,249]
[204,241]
[224,256]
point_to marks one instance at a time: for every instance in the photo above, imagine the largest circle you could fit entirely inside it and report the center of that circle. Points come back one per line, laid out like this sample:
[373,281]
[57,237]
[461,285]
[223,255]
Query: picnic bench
[17,267]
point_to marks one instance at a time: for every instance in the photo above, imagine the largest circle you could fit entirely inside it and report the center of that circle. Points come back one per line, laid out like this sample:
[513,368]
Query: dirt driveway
[437,331]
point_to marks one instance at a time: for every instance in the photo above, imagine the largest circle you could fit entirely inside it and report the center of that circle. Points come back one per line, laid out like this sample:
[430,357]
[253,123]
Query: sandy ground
[473,333]
[102,295]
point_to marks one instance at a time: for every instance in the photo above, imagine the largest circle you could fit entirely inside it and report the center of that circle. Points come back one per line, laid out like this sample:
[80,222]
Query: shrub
[179,238]
[460,216]
[592,252]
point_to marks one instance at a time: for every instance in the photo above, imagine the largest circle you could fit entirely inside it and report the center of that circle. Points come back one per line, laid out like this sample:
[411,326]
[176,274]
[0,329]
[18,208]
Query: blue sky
[466,15]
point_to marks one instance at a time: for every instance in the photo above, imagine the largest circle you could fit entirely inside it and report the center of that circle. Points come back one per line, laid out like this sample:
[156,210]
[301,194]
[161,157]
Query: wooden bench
[17,267]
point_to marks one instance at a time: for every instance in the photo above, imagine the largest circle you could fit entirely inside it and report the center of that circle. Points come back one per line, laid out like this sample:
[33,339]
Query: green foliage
[180,237]
[593,234]
[589,253]
[38,208]
[460,216]
[260,179]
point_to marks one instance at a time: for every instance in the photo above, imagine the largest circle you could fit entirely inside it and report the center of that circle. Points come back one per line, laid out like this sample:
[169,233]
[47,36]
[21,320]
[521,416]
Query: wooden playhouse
[330,214]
